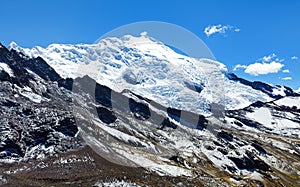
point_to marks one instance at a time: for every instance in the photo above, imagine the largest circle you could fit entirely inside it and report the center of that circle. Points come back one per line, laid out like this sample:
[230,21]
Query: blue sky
[266,28]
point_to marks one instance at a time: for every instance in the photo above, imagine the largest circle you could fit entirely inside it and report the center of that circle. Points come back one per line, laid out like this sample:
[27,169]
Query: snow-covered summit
[149,68]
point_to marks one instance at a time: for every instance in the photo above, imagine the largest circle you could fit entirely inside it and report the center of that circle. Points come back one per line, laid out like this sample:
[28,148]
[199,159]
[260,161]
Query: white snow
[285,123]
[28,93]
[262,116]
[120,135]
[8,161]
[217,158]
[39,152]
[255,176]
[152,69]
[289,101]
[73,159]
[116,183]
[7,69]
[2,178]
[280,125]
[279,91]
[24,168]
[160,168]
[32,96]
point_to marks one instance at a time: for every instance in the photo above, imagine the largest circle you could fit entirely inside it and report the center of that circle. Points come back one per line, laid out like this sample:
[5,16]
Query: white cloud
[222,29]
[286,71]
[239,66]
[268,58]
[287,78]
[298,90]
[237,30]
[294,57]
[265,65]
[263,68]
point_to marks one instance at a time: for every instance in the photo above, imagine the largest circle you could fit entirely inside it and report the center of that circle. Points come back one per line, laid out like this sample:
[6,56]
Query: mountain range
[131,111]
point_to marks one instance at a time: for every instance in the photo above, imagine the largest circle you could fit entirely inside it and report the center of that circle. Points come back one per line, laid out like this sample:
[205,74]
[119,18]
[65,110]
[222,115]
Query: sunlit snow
[149,68]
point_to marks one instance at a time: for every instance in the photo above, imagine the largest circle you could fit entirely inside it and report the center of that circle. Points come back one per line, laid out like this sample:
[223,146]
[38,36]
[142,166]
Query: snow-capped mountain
[47,131]
[149,68]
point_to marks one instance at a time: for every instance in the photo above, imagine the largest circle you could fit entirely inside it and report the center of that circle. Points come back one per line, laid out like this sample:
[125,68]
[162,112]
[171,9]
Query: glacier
[151,69]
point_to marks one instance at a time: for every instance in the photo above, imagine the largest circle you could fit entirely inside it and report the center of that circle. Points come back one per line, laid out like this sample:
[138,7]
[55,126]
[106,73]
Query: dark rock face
[259,148]
[42,69]
[202,122]
[67,126]
[174,113]
[168,123]
[257,104]
[37,119]
[105,115]
[238,123]
[12,59]
[20,64]
[8,102]
[32,124]
[140,110]
[240,120]
[225,135]
[188,119]
[66,83]
[103,95]
[4,76]
[250,163]
[177,159]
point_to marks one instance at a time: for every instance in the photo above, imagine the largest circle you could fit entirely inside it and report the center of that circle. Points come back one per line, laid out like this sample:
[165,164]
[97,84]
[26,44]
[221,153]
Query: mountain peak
[13,45]
[148,67]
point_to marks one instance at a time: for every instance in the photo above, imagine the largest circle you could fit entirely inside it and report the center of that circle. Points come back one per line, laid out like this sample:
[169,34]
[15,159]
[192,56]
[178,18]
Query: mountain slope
[38,126]
[151,69]
[123,127]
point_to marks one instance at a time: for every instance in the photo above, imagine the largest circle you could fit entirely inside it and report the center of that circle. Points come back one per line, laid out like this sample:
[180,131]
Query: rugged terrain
[124,128]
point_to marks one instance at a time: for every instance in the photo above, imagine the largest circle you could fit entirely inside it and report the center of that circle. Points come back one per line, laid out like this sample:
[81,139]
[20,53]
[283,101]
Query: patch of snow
[39,152]
[234,180]
[262,116]
[279,144]
[285,124]
[218,158]
[73,159]
[7,69]
[121,136]
[41,165]
[117,183]
[160,168]
[8,161]
[279,91]
[255,176]
[24,168]
[32,96]
[3,179]
[289,101]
